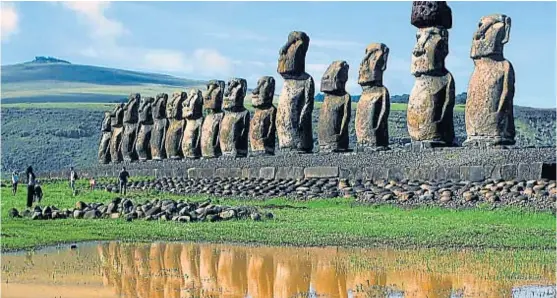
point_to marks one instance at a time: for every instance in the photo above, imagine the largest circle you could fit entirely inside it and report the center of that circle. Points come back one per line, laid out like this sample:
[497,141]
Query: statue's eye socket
[479,25]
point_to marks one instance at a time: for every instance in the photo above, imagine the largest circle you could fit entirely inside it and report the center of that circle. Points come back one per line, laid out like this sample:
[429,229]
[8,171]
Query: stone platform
[432,164]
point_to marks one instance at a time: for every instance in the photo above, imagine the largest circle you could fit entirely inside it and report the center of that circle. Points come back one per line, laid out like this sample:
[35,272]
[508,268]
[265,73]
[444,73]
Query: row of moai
[176,128]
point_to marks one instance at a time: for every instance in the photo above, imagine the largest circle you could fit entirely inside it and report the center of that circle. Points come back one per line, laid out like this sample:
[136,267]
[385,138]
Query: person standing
[123,176]
[15,180]
[30,185]
[73,178]
[92,183]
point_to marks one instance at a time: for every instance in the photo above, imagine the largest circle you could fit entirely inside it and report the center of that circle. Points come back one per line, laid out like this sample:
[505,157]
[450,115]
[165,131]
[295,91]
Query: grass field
[314,223]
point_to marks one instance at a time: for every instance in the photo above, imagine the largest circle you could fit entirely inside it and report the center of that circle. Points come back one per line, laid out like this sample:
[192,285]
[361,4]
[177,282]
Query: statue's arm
[385,108]
[448,103]
[347,115]
[508,88]
[245,130]
[216,133]
[309,101]
[272,126]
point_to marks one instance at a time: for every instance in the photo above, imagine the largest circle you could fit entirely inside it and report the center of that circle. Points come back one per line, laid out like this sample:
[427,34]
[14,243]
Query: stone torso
[334,117]
[488,111]
[262,132]
[371,124]
[174,138]
[158,137]
[191,143]
[292,133]
[233,134]
[430,109]
[210,146]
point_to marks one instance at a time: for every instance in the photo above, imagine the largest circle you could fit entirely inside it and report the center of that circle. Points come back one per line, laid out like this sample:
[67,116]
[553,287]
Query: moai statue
[131,119]
[104,145]
[234,129]
[117,127]
[262,132]
[175,130]
[193,113]
[295,107]
[160,125]
[431,103]
[489,104]
[334,116]
[212,103]
[142,145]
[372,112]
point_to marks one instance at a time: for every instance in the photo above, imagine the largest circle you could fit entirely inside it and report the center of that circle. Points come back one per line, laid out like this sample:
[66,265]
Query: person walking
[15,180]
[73,178]
[123,176]
[30,186]
[92,183]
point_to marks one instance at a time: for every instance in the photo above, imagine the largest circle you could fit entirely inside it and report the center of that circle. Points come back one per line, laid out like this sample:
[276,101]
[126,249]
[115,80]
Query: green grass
[321,222]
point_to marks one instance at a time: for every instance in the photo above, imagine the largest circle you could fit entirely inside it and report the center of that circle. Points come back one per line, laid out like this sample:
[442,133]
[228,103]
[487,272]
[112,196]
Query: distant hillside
[48,79]
[460,99]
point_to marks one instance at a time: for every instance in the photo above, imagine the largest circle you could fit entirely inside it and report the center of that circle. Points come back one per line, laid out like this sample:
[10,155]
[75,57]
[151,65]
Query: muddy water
[114,269]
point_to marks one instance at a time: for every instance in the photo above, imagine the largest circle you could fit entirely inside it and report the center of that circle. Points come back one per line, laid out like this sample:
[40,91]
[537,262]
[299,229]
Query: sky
[220,40]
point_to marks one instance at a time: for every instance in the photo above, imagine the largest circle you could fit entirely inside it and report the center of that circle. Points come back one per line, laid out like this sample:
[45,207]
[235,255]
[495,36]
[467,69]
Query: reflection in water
[209,270]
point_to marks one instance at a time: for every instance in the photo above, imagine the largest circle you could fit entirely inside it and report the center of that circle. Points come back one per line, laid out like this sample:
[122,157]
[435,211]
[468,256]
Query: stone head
[431,14]
[214,95]
[373,64]
[146,110]
[492,34]
[335,77]
[292,56]
[134,98]
[106,121]
[430,51]
[235,93]
[174,105]
[117,115]
[263,94]
[159,106]
[193,105]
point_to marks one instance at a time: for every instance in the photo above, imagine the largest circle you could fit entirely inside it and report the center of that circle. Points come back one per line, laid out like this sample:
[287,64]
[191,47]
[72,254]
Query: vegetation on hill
[460,99]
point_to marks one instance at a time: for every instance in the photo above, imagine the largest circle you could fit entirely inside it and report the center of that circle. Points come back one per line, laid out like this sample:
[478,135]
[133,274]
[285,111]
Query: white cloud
[9,20]
[211,62]
[94,14]
[166,60]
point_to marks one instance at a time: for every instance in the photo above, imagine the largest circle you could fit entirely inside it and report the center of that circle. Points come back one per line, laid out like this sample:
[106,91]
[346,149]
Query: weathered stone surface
[131,119]
[289,173]
[334,116]
[262,132]
[160,125]
[228,172]
[210,144]
[321,172]
[489,103]
[201,173]
[431,14]
[508,171]
[143,142]
[373,108]
[295,107]
[267,172]
[117,128]
[530,171]
[234,128]
[193,113]
[431,103]
[103,155]
[176,127]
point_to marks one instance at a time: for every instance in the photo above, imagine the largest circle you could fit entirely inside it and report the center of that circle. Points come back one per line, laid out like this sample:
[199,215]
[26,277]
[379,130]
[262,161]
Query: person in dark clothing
[15,181]
[123,176]
[30,185]
[38,193]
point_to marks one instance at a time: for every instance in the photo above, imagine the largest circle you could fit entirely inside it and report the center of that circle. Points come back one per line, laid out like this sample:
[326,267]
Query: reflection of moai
[334,116]
[262,132]
[104,145]
[212,103]
[142,145]
[131,118]
[234,129]
[175,130]
[372,113]
[193,113]
[431,103]
[117,127]
[295,105]
[160,125]
[489,103]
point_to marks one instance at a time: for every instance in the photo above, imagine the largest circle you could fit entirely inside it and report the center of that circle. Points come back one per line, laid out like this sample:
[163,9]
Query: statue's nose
[418,51]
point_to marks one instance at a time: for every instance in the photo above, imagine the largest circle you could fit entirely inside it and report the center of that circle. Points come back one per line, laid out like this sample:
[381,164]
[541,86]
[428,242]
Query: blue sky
[206,40]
